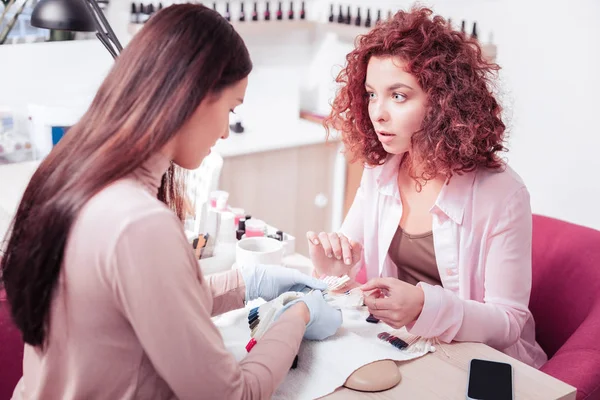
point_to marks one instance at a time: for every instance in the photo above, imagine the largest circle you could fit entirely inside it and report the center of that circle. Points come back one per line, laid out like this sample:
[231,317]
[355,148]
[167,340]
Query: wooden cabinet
[291,189]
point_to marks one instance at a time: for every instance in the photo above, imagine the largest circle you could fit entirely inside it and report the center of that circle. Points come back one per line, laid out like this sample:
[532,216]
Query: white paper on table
[323,366]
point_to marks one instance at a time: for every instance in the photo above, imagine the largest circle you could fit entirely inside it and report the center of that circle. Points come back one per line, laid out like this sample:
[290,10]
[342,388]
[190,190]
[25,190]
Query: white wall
[550,57]
[62,74]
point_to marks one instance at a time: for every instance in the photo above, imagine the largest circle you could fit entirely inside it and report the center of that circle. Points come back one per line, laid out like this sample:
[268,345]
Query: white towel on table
[323,366]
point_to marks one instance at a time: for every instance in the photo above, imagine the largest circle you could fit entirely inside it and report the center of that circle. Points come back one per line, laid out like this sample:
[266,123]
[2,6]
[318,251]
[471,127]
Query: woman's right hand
[332,254]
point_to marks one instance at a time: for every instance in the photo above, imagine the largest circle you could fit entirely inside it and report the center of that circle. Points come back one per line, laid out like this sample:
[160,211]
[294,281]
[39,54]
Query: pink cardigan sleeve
[499,320]
[160,291]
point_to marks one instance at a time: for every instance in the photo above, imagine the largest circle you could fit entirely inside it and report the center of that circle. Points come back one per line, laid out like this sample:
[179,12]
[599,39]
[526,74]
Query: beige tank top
[414,255]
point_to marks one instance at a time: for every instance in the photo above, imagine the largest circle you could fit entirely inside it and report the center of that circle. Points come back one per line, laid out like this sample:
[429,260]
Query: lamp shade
[67,15]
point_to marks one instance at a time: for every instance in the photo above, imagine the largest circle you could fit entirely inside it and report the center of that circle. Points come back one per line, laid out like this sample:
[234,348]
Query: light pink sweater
[130,317]
[482,239]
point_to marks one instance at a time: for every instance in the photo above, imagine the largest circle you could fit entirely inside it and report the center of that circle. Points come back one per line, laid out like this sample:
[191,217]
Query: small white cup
[258,250]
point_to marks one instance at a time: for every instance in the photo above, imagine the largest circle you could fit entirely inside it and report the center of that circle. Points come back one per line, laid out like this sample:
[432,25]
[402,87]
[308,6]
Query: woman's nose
[380,113]
[226,133]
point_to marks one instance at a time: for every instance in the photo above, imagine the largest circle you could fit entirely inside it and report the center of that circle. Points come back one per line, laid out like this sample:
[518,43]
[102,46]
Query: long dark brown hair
[183,53]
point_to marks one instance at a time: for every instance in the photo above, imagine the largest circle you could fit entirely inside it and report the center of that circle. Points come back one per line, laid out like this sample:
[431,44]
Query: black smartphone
[490,380]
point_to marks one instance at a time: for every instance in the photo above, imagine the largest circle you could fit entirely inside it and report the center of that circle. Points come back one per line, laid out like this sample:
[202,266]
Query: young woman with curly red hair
[440,225]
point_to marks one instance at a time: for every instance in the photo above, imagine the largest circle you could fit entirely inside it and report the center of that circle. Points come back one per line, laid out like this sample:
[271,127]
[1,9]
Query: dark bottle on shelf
[227,12]
[150,9]
[267,12]
[474,31]
[340,18]
[142,14]
[331,17]
[303,12]
[368,19]
[291,10]
[280,12]
[160,6]
[463,26]
[133,18]
[242,13]
[255,12]
[215,5]
[348,17]
[357,20]
[378,16]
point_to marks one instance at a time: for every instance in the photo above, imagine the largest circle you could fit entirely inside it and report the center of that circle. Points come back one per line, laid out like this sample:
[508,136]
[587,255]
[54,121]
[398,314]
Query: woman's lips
[385,137]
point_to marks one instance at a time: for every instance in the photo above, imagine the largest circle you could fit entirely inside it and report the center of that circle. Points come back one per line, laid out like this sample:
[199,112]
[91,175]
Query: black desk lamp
[78,16]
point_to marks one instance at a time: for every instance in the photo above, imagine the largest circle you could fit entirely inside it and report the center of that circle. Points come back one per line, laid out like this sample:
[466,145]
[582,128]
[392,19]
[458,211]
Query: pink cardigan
[482,239]
[131,313]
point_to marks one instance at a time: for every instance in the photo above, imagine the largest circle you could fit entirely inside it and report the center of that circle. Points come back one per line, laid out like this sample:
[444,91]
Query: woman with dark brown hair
[99,275]
[440,225]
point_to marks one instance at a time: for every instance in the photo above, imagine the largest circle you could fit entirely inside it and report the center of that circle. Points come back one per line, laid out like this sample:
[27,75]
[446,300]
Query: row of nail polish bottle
[474,33]
[141,12]
[356,20]
[266,14]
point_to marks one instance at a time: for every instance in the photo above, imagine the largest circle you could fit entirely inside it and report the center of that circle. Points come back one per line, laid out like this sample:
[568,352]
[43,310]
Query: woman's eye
[399,97]
[370,95]
[231,111]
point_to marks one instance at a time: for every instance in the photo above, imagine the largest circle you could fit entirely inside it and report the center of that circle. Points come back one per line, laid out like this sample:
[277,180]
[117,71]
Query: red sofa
[565,302]
[11,351]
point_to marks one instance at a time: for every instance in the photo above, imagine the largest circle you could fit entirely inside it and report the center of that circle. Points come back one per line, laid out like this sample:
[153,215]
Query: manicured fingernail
[338,257]
[329,255]
[315,241]
[347,261]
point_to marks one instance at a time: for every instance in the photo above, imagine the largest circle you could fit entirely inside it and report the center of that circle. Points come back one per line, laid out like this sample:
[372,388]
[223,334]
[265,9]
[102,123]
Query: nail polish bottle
[378,16]
[227,12]
[279,12]
[160,6]
[358,20]
[368,19]
[242,13]
[474,31]
[291,10]
[255,12]
[348,17]
[463,28]
[331,17]
[450,23]
[340,18]
[142,14]
[389,15]
[303,12]
[214,5]
[133,18]
[150,9]
[267,13]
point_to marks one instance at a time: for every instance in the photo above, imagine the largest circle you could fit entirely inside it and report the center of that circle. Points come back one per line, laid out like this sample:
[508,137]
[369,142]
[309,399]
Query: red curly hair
[462,128]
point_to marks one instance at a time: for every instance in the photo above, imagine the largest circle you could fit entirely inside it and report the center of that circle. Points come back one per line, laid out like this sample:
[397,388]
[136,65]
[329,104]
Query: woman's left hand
[393,301]
[269,281]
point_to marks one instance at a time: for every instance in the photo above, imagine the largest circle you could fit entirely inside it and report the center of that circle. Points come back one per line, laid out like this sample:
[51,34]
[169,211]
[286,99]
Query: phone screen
[490,380]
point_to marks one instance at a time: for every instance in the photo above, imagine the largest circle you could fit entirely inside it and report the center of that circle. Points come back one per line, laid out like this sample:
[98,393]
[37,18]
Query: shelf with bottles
[347,24]
[14,146]
[266,17]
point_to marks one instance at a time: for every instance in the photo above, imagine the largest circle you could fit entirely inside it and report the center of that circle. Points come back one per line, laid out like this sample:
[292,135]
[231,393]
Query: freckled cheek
[408,119]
